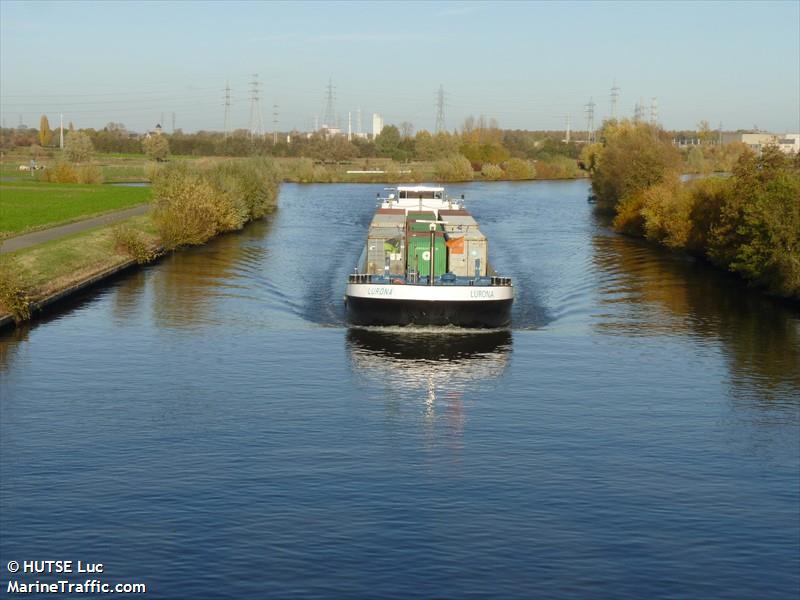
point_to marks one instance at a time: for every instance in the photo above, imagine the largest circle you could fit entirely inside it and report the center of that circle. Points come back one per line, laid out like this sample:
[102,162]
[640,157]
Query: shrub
[14,296]
[666,210]
[156,147]
[186,211]
[629,217]
[708,197]
[194,204]
[250,188]
[696,161]
[491,172]
[453,168]
[558,167]
[723,158]
[78,146]
[90,174]
[61,172]
[299,171]
[320,174]
[133,243]
[517,168]
[151,171]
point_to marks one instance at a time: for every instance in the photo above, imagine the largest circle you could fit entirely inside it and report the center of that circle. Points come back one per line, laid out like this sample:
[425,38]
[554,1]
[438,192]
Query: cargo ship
[425,262]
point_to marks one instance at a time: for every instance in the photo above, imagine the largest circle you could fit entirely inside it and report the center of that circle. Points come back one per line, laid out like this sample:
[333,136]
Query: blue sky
[525,64]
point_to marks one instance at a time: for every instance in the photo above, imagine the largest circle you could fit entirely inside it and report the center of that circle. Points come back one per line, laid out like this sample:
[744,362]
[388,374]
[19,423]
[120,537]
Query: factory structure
[788,143]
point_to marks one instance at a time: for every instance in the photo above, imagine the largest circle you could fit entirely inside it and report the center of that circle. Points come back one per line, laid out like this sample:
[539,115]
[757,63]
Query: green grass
[28,205]
[58,263]
[124,172]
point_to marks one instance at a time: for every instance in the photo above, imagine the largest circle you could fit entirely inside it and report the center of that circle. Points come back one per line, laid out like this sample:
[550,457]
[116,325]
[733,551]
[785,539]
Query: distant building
[757,140]
[789,143]
[156,131]
[330,132]
[377,125]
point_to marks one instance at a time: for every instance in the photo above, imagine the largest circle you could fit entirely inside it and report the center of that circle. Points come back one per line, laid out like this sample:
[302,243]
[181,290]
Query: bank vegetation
[192,203]
[748,222]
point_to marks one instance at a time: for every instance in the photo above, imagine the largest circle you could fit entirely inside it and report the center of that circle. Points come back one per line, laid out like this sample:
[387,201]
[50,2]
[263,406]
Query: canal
[209,425]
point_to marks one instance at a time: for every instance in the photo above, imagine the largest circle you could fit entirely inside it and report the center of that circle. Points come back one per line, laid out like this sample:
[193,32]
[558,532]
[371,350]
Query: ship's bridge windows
[421,194]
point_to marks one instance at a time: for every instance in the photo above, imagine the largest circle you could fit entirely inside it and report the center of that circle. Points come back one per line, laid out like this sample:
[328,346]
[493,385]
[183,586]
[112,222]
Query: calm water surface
[209,426]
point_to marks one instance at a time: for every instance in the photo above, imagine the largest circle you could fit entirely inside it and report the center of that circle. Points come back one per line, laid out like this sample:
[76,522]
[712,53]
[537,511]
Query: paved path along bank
[27,240]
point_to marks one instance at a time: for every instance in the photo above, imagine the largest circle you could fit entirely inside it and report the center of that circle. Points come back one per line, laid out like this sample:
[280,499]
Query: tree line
[478,140]
[748,223]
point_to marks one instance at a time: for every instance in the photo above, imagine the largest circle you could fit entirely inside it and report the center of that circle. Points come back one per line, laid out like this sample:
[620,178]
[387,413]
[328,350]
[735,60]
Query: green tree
[758,231]
[78,146]
[633,157]
[339,149]
[45,135]
[156,147]
[387,143]
[432,147]
[445,144]
[423,145]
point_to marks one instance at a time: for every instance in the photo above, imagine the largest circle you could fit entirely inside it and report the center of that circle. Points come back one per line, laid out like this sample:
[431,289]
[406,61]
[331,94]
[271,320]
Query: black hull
[375,311]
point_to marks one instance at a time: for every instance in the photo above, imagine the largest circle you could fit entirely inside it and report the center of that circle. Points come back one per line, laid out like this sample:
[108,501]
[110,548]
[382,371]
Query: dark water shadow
[423,376]
[408,356]
[12,337]
[429,344]
[646,290]
[191,287]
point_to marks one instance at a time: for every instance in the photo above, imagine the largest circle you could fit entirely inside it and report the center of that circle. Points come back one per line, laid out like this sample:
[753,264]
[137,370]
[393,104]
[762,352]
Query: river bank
[191,206]
[35,277]
[748,223]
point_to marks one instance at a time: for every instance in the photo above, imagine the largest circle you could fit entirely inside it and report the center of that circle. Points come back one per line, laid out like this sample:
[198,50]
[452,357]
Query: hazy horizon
[527,65]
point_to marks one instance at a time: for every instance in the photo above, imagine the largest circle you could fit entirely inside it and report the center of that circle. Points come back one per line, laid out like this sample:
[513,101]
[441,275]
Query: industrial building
[377,125]
[757,140]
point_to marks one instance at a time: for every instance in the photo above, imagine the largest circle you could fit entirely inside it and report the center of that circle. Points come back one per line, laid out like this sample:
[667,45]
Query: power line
[590,120]
[329,118]
[256,122]
[615,90]
[654,111]
[274,124]
[227,121]
[440,124]
[638,111]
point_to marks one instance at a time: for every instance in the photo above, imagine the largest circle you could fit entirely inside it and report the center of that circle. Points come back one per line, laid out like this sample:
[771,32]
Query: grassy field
[27,205]
[115,167]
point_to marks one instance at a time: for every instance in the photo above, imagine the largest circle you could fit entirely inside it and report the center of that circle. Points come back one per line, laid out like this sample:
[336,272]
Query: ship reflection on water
[432,367]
